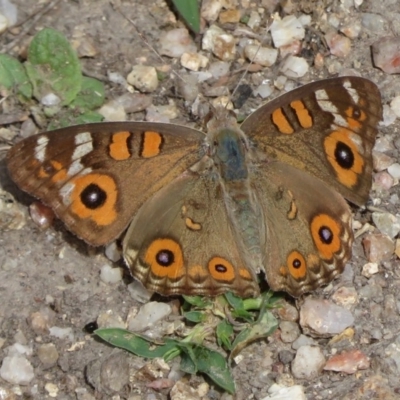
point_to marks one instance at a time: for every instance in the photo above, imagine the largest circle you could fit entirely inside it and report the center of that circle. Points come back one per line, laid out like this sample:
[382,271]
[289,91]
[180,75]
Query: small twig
[36,17]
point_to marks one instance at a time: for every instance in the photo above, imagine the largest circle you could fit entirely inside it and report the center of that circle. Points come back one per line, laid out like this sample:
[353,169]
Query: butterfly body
[207,213]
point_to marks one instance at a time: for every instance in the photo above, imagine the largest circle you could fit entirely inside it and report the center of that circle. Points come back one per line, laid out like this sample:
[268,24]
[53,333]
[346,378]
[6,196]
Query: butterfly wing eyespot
[221,269]
[344,157]
[296,265]
[164,257]
[92,196]
[326,233]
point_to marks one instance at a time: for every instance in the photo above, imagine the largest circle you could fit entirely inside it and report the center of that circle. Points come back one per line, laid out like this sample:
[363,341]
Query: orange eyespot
[296,265]
[221,269]
[94,196]
[354,118]
[165,259]
[344,156]
[325,232]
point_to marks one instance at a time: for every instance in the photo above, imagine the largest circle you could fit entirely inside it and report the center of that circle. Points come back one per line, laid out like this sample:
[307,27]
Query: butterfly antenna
[143,37]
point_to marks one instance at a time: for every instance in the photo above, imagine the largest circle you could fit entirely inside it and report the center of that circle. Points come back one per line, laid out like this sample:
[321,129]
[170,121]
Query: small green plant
[52,67]
[232,321]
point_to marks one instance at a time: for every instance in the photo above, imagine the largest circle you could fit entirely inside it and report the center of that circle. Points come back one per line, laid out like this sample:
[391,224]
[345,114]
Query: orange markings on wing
[172,270]
[326,248]
[194,226]
[119,149]
[302,113]
[283,271]
[106,213]
[221,269]
[61,174]
[245,274]
[281,122]
[313,262]
[346,176]
[42,173]
[151,144]
[56,165]
[296,265]
[197,272]
[354,118]
[292,213]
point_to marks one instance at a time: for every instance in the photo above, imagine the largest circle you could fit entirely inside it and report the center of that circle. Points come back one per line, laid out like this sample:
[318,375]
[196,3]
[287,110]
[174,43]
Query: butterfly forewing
[326,128]
[96,176]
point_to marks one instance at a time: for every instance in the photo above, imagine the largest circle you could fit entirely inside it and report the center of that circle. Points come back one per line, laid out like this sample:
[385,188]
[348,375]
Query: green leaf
[194,316]
[233,300]
[265,325]
[224,332]
[134,343]
[214,365]
[188,364]
[53,66]
[197,301]
[13,76]
[239,310]
[189,10]
[91,96]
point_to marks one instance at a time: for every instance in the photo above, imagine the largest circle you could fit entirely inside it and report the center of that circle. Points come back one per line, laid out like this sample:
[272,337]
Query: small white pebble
[51,389]
[264,90]
[62,333]
[395,106]
[294,67]
[370,269]
[50,100]
[394,170]
[193,61]
[113,111]
[109,274]
[10,11]
[176,42]
[17,370]
[287,30]
[3,23]
[143,78]
[261,55]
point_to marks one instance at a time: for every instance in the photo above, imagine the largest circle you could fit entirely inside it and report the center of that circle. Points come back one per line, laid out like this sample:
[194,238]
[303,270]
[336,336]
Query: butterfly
[208,213]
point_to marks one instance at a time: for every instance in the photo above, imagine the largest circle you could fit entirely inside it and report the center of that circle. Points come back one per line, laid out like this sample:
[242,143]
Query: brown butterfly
[207,213]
